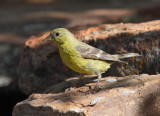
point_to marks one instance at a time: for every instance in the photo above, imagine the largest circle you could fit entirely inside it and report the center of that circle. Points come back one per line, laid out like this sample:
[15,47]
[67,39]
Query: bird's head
[60,36]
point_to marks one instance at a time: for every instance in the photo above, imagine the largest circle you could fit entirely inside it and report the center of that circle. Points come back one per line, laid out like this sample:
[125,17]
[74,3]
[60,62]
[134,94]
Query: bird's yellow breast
[72,58]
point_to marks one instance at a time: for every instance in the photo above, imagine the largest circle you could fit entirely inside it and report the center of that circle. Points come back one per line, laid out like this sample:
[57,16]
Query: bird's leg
[99,76]
[80,80]
[96,88]
[99,79]
[81,76]
[76,83]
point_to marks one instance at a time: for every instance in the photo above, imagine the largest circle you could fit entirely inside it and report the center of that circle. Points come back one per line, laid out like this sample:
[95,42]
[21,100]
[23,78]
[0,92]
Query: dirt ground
[20,20]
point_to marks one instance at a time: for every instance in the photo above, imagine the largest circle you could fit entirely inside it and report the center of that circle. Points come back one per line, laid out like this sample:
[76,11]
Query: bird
[81,57]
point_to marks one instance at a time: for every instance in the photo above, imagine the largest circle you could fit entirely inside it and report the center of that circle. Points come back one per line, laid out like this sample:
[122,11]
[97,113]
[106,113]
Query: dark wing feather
[90,52]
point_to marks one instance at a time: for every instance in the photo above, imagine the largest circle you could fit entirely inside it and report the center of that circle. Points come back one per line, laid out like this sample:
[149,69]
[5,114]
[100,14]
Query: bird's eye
[57,34]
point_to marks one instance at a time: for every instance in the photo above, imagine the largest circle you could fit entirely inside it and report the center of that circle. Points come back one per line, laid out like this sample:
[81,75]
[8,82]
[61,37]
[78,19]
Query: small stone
[127,92]
[142,75]
[78,110]
[96,100]
[56,101]
[111,80]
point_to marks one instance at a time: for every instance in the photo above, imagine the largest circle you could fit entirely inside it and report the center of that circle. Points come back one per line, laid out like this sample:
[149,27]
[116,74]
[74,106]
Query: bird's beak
[48,38]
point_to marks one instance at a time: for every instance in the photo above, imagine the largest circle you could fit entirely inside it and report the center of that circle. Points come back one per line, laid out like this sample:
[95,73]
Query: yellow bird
[82,57]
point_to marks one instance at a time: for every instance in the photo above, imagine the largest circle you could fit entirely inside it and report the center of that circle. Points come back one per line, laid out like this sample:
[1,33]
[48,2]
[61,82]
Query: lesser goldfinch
[82,57]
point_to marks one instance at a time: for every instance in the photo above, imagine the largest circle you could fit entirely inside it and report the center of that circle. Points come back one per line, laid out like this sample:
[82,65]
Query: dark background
[21,19]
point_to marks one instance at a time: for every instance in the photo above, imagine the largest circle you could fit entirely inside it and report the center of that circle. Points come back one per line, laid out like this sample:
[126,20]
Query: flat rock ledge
[136,95]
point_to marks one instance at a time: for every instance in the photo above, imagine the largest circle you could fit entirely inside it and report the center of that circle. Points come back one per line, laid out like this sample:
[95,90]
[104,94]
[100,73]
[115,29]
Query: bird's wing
[90,52]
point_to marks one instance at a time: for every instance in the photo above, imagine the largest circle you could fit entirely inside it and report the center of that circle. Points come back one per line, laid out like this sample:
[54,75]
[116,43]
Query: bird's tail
[128,55]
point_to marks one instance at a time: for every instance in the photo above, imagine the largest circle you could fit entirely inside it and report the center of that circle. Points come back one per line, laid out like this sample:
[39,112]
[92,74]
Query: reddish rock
[41,65]
[125,96]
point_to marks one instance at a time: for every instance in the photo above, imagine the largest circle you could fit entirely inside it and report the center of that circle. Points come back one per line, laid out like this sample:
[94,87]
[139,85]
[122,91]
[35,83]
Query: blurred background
[20,19]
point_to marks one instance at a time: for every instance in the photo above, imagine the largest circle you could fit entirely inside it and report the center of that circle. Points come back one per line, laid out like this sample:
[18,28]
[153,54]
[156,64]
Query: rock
[125,96]
[41,65]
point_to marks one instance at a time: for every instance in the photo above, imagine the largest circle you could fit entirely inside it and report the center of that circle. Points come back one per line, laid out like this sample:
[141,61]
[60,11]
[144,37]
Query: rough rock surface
[41,65]
[136,95]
